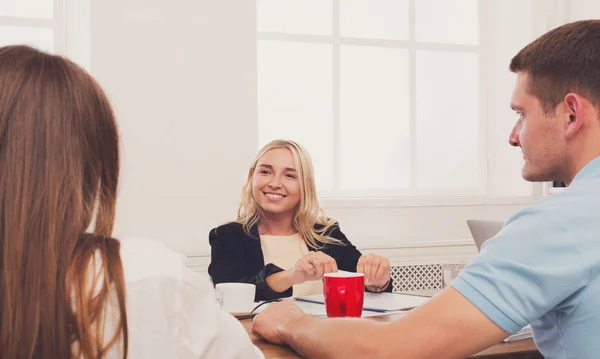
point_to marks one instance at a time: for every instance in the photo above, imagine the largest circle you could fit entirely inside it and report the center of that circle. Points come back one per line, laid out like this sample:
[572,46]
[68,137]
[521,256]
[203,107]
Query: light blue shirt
[542,268]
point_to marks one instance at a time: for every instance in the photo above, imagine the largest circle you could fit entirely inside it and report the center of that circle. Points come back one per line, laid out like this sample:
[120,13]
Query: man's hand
[278,315]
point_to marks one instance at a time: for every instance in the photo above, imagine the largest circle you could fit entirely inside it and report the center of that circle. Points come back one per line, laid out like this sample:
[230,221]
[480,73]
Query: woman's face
[275,183]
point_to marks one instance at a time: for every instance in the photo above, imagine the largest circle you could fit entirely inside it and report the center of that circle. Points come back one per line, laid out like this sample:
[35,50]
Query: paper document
[378,302]
[524,333]
[318,309]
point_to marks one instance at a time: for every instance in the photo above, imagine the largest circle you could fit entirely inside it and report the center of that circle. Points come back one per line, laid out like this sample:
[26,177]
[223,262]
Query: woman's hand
[312,267]
[377,270]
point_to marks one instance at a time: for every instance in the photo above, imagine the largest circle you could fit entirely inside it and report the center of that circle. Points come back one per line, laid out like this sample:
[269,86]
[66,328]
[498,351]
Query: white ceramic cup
[235,297]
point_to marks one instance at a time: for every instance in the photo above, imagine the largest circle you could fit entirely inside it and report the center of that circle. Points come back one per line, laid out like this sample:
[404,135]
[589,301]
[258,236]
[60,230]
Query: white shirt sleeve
[171,310]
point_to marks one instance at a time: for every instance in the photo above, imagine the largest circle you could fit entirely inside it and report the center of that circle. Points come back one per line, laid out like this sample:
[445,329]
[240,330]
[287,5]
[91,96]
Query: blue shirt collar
[592,169]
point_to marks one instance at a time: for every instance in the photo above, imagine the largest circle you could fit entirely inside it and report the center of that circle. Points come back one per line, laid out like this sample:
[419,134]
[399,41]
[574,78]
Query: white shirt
[171,310]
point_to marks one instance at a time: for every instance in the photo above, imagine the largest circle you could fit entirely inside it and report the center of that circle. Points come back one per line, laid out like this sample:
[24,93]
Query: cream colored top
[284,251]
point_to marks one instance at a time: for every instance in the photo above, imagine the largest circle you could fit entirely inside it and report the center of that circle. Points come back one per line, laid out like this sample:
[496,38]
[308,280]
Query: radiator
[417,278]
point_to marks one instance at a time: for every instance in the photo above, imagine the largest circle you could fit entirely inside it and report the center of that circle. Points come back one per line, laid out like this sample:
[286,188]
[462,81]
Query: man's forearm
[429,331]
[335,338]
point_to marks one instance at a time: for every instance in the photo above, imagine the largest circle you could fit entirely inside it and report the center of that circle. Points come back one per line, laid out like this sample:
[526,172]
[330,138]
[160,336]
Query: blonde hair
[308,213]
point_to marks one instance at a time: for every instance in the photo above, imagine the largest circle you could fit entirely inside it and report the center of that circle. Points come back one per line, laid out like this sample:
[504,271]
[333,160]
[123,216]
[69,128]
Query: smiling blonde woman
[282,241]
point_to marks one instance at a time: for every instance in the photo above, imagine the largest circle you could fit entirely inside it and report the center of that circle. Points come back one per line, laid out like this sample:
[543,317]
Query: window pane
[295,100]
[27,8]
[448,120]
[295,16]
[39,38]
[447,21]
[374,118]
[502,43]
[382,19]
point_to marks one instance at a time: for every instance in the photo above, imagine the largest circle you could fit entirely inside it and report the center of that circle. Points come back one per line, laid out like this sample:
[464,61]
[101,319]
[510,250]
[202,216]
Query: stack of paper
[378,302]
[318,310]
[524,333]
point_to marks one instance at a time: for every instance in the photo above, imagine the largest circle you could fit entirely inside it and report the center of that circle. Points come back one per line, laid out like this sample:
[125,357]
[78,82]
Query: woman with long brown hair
[67,288]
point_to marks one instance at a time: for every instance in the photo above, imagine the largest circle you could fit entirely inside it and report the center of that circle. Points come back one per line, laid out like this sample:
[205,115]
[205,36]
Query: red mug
[344,294]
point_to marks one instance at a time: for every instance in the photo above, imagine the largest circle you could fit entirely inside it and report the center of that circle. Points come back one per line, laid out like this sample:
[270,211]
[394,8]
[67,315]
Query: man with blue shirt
[541,268]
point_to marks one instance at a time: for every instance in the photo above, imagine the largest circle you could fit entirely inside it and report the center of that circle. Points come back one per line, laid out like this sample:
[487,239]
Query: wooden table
[522,349]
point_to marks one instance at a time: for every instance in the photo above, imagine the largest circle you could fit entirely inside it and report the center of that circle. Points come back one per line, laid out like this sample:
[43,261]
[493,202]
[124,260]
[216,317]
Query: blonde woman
[282,241]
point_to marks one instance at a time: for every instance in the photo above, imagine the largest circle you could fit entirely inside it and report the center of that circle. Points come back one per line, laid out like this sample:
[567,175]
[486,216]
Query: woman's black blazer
[238,257]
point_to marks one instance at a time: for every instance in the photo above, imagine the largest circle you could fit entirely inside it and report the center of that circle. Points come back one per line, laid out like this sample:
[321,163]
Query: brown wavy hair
[59,168]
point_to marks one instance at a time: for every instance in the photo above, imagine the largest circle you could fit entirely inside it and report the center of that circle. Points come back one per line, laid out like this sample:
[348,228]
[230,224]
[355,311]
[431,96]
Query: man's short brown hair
[565,59]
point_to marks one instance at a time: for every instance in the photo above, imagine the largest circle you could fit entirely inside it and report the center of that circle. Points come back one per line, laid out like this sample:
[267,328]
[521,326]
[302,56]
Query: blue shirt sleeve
[533,265]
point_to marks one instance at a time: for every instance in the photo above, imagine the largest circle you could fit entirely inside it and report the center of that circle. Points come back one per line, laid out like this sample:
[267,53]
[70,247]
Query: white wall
[181,75]
[583,10]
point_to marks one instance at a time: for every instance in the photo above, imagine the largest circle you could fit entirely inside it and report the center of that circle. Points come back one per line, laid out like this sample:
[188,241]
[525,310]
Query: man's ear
[572,115]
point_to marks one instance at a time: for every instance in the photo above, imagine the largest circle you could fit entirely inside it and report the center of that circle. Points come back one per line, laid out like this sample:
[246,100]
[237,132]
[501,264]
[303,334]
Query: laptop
[482,230]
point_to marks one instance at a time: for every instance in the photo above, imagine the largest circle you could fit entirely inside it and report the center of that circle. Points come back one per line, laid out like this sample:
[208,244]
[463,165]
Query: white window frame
[77,25]
[548,14]
[70,26]
[56,24]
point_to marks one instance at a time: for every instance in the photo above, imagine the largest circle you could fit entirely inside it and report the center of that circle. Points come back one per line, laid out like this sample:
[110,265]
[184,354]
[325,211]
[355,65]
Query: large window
[37,23]
[391,97]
